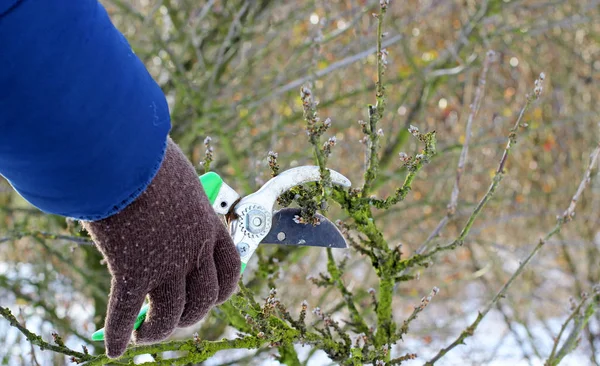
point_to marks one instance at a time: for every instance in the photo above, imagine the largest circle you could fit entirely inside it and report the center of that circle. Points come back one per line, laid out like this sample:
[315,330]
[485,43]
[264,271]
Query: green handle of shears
[211,182]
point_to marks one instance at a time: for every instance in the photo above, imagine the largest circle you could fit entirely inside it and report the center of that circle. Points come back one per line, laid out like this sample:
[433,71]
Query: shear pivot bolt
[255,221]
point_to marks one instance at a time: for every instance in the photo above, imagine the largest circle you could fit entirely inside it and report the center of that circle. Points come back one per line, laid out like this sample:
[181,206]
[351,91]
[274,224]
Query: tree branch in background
[38,341]
[580,319]
[566,217]
[474,108]
[45,235]
[418,258]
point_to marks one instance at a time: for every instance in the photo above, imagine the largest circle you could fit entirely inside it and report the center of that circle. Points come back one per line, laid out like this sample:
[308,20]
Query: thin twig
[561,220]
[475,105]
[570,211]
[234,29]
[37,340]
[417,309]
[46,235]
[442,61]
[576,311]
[465,150]
[320,73]
[421,257]
[580,321]
[507,320]
[336,278]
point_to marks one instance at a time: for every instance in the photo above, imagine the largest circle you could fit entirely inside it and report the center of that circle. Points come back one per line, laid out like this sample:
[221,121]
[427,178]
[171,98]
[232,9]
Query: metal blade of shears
[285,230]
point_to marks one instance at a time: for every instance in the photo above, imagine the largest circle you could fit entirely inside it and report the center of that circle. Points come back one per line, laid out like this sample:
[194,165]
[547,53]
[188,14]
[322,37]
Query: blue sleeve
[83,125]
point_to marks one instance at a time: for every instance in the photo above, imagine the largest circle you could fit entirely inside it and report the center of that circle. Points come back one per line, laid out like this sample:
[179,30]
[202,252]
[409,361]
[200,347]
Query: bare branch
[470,330]
[474,107]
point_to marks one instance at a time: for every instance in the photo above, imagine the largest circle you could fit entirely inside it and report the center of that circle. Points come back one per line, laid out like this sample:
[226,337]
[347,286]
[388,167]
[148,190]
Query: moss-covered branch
[37,340]
[373,133]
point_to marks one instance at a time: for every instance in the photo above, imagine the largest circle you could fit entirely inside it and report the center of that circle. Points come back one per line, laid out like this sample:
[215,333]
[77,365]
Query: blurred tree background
[233,70]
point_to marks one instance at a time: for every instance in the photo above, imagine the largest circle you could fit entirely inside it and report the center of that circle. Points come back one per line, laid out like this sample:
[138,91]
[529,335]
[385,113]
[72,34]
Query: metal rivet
[243,249]
[281,236]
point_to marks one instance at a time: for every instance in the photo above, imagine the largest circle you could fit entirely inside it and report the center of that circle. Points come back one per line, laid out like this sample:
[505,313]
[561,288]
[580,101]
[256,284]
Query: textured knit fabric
[83,125]
[169,244]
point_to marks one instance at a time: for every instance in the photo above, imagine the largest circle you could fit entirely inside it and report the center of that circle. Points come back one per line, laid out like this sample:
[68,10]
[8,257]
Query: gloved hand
[168,244]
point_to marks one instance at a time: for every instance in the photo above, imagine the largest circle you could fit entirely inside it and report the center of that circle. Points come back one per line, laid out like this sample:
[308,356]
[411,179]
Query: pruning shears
[253,221]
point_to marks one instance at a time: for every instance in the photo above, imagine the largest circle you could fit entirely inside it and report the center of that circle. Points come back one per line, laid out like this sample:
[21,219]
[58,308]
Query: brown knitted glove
[168,244]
